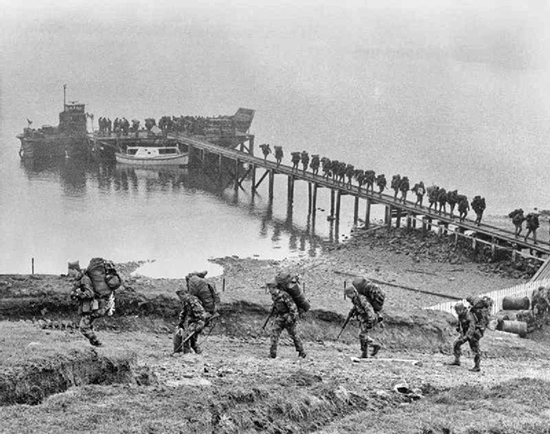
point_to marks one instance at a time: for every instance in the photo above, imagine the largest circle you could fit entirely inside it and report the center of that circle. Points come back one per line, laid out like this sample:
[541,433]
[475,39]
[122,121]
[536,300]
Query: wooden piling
[332,202]
[253,178]
[367,214]
[290,189]
[314,203]
[338,202]
[356,211]
[271,182]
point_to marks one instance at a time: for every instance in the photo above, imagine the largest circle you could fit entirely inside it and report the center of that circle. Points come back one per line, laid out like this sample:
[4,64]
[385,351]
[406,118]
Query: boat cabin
[72,120]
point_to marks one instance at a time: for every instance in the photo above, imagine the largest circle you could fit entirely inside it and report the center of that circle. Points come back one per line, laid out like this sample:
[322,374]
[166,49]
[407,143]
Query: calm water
[475,122]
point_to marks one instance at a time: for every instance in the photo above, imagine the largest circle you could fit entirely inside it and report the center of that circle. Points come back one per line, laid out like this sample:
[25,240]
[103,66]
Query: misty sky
[175,50]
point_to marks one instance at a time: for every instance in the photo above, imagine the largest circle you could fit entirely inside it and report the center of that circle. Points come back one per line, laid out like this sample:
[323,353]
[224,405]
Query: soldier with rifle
[365,314]
[286,317]
[192,320]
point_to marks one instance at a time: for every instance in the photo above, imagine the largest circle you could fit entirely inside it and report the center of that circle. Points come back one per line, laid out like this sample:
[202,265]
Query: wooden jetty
[396,210]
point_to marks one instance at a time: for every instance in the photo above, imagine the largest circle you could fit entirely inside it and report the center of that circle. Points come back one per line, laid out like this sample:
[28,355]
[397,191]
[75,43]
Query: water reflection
[123,185]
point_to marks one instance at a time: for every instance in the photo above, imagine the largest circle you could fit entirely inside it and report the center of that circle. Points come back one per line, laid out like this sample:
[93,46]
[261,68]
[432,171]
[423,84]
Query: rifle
[268,317]
[344,326]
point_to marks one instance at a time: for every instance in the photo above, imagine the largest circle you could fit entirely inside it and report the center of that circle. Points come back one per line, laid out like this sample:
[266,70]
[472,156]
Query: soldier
[452,200]
[395,181]
[88,307]
[295,160]
[419,190]
[404,186]
[370,179]
[192,320]
[478,205]
[518,218]
[469,332]
[350,172]
[442,200]
[305,161]
[286,317]
[381,183]
[361,178]
[326,165]
[532,224]
[463,207]
[278,154]
[315,162]
[432,197]
[365,314]
[266,150]
[95,301]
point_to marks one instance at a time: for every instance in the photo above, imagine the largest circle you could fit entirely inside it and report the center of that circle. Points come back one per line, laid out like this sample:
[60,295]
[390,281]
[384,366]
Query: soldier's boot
[375,349]
[476,368]
[455,362]
[273,352]
[302,354]
[95,342]
[364,350]
[198,350]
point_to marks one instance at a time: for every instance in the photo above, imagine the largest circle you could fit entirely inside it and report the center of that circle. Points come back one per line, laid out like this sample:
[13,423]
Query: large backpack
[291,285]
[206,292]
[481,309]
[373,292]
[104,277]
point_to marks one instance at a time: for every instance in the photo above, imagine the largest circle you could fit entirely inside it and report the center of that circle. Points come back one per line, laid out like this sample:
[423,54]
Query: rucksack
[291,285]
[206,292]
[481,309]
[104,276]
[375,295]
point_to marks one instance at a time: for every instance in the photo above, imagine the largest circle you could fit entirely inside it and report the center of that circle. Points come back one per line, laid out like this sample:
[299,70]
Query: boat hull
[168,160]
[57,146]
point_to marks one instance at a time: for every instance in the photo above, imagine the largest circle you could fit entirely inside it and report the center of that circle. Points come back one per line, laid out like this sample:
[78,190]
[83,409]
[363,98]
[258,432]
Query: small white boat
[153,156]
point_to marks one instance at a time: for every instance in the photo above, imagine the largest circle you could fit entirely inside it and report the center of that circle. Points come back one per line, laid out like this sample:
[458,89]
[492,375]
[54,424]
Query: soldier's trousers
[181,343]
[364,337]
[278,326]
[474,346]
[86,325]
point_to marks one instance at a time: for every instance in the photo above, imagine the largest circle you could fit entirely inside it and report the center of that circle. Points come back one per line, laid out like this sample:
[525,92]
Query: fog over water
[453,93]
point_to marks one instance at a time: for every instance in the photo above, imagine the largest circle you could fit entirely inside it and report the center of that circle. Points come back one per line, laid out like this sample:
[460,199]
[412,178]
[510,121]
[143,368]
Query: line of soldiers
[199,310]
[345,174]
[531,222]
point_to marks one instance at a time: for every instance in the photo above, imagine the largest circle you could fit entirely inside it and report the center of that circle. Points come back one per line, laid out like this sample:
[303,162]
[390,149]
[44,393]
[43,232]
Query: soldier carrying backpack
[94,291]
[472,323]
[364,312]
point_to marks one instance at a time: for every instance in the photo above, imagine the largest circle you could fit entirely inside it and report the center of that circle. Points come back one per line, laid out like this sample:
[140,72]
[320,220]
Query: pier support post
[290,189]
[409,222]
[338,202]
[237,173]
[251,145]
[367,214]
[253,178]
[356,211]
[314,204]
[309,197]
[220,163]
[389,210]
[332,203]
[398,217]
[271,182]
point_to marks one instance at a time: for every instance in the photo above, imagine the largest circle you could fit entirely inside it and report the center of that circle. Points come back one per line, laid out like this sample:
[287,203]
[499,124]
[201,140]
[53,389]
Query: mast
[64,96]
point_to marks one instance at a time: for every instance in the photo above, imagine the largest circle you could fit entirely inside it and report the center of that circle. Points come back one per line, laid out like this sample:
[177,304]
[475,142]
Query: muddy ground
[52,381]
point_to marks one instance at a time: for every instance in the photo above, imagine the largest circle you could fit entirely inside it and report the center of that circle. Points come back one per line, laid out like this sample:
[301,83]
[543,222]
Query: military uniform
[90,307]
[192,312]
[286,317]
[471,333]
[365,314]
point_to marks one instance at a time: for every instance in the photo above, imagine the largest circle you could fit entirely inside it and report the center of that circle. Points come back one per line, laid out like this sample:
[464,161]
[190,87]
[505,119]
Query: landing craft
[68,139]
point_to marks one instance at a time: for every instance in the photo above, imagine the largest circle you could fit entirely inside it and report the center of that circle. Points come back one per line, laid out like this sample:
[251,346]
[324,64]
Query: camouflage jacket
[466,324]
[192,310]
[284,304]
[362,309]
